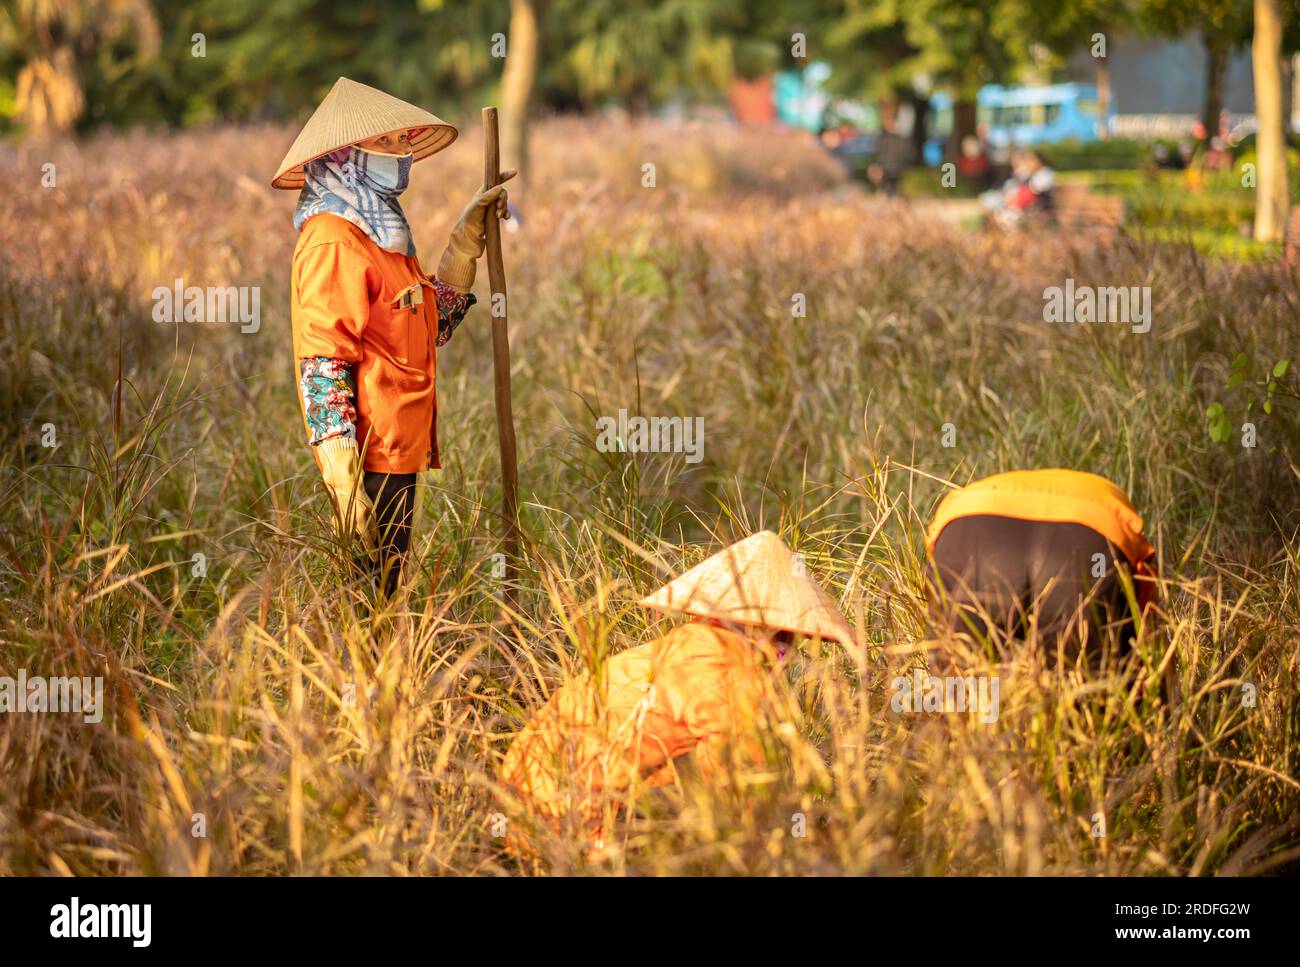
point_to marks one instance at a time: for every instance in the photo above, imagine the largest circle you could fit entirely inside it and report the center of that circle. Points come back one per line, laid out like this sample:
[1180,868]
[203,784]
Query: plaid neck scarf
[361,186]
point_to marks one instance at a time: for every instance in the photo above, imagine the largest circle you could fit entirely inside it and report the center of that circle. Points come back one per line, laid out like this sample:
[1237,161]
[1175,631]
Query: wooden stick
[501,354]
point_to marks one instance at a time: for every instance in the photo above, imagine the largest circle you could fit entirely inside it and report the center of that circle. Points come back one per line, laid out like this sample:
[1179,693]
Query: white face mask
[383,173]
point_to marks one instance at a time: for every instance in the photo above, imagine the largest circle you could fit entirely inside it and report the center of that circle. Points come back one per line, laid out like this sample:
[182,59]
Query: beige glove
[468,238]
[340,466]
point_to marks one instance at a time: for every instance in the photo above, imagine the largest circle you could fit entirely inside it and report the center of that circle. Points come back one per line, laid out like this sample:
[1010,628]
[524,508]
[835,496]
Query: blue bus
[1008,116]
[1023,116]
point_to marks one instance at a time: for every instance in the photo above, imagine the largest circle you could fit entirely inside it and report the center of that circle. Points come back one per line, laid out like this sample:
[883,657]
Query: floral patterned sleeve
[452,306]
[329,394]
[328,385]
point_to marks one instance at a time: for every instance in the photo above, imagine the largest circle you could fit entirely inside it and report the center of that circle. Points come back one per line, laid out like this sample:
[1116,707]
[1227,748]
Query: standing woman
[366,317]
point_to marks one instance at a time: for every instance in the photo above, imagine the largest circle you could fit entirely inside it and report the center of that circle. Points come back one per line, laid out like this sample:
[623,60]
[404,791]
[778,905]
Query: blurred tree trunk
[637,100]
[1271,201]
[1103,95]
[517,82]
[1216,65]
[920,124]
[1288,92]
[963,124]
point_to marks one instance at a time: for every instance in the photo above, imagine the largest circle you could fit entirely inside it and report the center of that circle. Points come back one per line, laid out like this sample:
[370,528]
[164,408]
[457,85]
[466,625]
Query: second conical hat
[353,112]
[757,581]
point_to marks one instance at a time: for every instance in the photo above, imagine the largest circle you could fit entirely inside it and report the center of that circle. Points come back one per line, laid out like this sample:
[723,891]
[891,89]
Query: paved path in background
[954,210]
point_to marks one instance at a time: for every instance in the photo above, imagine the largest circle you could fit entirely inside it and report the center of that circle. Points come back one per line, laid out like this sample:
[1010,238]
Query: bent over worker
[1039,553]
[700,690]
[366,317]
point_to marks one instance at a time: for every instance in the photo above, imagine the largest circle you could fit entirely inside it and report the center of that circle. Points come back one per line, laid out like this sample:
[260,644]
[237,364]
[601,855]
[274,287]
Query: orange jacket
[1056,495]
[697,689]
[344,295]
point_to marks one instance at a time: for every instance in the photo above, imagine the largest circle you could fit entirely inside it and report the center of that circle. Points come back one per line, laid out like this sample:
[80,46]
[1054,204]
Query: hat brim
[844,634]
[425,140]
[757,582]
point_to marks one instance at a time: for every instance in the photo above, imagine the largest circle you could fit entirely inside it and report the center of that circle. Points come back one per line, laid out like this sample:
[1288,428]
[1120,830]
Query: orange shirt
[344,289]
[698,689]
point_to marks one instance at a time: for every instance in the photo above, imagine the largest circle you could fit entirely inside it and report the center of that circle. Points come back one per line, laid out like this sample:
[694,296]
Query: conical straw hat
[353,112]
[757,581]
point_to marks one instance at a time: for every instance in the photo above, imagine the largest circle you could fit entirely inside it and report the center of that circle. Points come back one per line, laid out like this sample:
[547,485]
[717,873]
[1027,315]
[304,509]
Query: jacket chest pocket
[405,327]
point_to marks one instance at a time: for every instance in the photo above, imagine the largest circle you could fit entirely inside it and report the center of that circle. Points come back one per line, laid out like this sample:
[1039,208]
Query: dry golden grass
[228,692]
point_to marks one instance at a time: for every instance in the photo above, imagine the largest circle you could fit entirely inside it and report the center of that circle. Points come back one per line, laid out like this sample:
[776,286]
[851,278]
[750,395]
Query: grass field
[1216,216]
[242,705]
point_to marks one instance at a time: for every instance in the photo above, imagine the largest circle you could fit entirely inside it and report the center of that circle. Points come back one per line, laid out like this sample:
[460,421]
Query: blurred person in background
[1166,159]
[1217,157]
[1191,150]
[1027,196]
[366,317]
[893,155]
[973,164]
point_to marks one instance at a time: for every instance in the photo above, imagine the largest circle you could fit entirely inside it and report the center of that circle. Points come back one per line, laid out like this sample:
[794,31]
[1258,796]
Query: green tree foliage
[54,49]
[644,52]
[127,61]
[275,60]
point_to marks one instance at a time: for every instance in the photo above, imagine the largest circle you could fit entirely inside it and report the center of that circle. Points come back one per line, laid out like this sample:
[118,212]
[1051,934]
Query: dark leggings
[393,496]
[1000,571]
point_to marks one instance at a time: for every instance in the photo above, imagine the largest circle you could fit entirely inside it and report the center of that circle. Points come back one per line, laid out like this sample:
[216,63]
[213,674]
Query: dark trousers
[999,571]
[393,497]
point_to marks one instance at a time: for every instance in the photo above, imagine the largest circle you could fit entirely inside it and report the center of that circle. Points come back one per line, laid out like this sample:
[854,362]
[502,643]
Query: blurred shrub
[927,183]
[1117,153]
